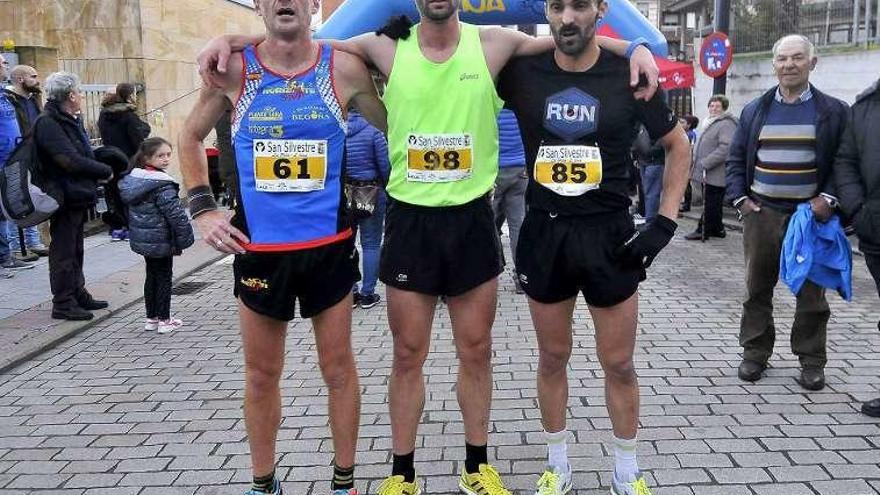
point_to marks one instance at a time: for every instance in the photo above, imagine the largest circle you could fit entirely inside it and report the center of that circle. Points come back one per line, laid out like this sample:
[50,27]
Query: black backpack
[27,196]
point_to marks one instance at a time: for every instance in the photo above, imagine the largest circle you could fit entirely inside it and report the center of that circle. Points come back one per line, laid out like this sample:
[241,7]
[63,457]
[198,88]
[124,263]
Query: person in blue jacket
[366,154]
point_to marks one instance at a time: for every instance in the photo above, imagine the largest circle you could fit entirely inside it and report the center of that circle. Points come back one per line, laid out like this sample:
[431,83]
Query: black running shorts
[557,257]
[270,283]
[441,251]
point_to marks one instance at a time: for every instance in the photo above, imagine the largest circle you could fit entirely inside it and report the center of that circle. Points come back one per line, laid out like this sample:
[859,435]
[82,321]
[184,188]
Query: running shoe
[169,325]
[370,300]
[276,490]
[355,299]
[151,324]
[14,264]
[554,482]
[344,491]
[395,485]
[485,482]
[637,487]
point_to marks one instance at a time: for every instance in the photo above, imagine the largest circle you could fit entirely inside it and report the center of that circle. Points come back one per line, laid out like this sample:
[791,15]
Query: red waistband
[298,246]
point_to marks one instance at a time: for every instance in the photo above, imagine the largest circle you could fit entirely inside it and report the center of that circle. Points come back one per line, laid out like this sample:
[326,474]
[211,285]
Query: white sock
[626,467]
[557,449]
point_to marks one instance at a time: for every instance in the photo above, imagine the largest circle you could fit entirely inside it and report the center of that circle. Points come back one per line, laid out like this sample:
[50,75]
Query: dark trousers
[763,233]
[688,197]
[873,262]
[157,287]
[713,210]
[66,257]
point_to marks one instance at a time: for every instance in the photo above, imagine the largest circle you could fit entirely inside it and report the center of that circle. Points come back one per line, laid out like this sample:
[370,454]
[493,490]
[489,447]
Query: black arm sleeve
[847,173]
[55,143]
[658,118]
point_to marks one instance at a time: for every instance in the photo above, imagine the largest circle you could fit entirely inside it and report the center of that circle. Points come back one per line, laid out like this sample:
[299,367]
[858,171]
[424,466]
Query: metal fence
[757,24]
[93,94]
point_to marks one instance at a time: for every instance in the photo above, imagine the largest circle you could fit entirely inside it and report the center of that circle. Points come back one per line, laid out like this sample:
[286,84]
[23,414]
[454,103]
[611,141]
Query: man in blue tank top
[290,232]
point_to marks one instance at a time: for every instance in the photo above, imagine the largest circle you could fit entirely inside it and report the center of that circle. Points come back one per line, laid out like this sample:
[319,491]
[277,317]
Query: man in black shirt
[577,114]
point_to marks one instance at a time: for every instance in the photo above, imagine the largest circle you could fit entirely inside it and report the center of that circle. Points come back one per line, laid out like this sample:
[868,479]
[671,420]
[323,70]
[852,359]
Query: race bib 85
[439,157]
[569,170]
[288,165]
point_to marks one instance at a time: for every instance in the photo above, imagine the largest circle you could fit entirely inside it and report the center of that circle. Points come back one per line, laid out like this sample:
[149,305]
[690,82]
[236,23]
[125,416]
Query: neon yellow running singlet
[442,124]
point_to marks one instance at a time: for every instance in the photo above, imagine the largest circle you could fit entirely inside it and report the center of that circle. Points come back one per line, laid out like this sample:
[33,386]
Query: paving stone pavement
[117,410]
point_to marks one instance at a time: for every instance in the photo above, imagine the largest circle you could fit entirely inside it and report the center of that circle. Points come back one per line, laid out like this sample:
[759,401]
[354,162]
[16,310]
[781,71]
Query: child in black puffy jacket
[159,227]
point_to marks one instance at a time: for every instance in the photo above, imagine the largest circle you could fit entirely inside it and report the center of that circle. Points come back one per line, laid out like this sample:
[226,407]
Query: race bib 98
[439,157]
[288,165]
[569,170]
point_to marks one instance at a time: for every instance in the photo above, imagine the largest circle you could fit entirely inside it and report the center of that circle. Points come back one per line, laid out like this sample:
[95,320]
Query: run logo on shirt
[571,114]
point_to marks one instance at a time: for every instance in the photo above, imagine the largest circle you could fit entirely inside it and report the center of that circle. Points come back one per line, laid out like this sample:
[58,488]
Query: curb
[66,330]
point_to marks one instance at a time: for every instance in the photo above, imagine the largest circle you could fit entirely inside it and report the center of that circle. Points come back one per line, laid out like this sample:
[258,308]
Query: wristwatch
[831,200]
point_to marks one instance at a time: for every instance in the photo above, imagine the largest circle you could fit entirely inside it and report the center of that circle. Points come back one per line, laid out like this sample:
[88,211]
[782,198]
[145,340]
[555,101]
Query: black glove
[397,27]
[646,243]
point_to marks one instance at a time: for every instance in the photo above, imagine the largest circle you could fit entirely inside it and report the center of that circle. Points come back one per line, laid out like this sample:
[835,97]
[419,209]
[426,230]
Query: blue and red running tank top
[289,137]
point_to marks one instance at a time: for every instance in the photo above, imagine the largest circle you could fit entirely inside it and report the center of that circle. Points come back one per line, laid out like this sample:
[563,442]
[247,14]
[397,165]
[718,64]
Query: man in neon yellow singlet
[440,238]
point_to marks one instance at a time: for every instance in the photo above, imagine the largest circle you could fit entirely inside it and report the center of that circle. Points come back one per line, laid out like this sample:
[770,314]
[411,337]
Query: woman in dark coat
[120,127]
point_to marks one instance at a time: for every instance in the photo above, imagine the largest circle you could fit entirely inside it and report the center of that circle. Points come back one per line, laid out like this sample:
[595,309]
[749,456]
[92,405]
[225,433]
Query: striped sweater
[786,171]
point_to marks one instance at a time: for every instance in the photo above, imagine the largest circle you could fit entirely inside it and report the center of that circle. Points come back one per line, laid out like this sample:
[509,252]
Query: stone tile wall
[153,42]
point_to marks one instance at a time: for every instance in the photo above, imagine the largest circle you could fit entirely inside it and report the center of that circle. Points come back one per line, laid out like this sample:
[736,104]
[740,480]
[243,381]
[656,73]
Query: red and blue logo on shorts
[571,114]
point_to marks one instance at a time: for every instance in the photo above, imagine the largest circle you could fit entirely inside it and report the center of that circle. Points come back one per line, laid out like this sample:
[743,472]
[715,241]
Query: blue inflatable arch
[356,17]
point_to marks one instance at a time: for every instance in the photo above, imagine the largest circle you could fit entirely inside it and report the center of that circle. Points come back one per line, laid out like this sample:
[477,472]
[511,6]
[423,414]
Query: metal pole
[722,24]
[21,246]
[868,22]
[855,26]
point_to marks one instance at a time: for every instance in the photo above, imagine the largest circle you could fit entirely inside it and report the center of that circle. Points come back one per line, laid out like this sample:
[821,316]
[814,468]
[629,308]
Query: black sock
[404,466]
[264,484]
[474,456]
[343,478]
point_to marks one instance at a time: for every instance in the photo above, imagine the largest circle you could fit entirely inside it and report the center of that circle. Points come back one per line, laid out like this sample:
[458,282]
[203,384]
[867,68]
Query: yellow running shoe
[637,487]
[485,482]
[554,482]
[395,485]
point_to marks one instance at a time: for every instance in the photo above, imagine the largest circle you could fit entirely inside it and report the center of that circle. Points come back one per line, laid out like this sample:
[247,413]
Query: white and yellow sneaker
[554,482]
[637,487]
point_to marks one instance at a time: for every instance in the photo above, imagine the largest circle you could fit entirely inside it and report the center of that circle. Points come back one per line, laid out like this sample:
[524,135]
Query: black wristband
[201,199]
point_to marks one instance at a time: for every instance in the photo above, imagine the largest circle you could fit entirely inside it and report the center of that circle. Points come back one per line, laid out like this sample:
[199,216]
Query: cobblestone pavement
[117,410]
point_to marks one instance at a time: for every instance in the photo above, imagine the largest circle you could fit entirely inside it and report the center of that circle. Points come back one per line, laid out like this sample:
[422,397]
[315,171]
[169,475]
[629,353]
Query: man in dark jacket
[857,172]
[782,155]
[25,95]
[66,153]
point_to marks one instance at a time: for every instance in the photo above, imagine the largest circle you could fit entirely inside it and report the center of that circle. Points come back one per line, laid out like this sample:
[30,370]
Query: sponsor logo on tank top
[571,114]
[468,77]
[266,114]
[309,113]
[291,90]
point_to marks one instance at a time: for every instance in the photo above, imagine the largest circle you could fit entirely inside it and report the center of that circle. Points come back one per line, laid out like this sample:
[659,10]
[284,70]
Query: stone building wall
[152,42]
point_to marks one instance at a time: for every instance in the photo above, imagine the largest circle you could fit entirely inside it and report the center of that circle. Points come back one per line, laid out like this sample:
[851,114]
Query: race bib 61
[289,165]
[569,170]
[439,157]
